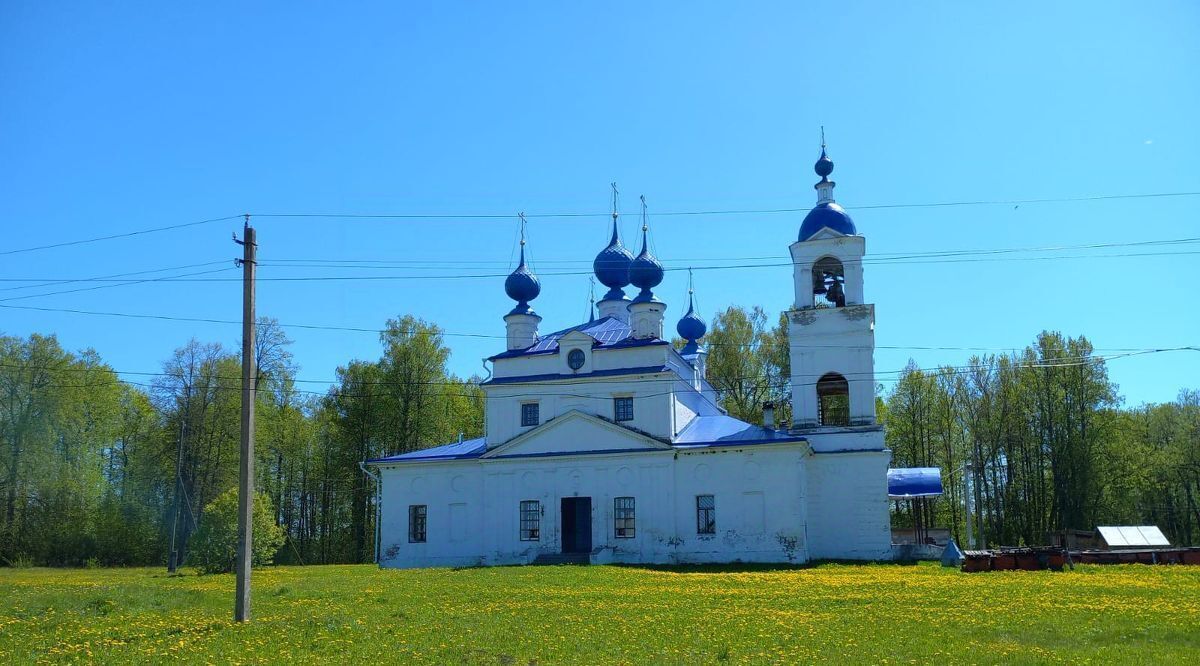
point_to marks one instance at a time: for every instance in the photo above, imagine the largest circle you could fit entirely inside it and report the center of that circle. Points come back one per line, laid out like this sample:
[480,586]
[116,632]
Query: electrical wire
[764,381]
[492,336]
[59,282]
[761,211]
[508,216]
[126,234]
[183,277]
[879,257]
[187,278]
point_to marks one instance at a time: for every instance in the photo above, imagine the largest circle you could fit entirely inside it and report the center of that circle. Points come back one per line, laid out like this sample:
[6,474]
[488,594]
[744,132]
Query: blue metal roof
[616,372]
[607,332]
[470,448]
[589,452]
[702,432]
[723,430]
[910,482]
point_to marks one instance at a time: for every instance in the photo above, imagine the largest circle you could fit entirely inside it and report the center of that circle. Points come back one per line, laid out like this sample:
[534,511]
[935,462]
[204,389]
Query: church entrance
[576,524]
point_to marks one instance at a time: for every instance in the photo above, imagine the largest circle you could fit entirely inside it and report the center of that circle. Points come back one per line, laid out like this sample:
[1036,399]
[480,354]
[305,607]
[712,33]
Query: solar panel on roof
[1132,536]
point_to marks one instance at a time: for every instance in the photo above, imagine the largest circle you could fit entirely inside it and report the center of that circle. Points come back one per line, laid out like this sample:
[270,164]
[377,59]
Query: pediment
[825,233]
[576,432]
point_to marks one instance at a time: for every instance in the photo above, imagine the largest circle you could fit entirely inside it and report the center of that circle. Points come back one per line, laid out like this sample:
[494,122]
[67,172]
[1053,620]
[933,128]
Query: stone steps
[563,558]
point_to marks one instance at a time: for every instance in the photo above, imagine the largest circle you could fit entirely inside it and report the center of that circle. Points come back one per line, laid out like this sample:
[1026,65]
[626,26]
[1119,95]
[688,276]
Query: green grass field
[518,615]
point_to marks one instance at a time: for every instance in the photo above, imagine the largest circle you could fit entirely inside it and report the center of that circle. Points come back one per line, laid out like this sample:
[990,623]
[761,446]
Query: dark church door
[576,524]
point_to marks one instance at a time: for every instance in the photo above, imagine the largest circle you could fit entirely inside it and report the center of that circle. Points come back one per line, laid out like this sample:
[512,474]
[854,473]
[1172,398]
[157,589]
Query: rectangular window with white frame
[624,517]
[530,415]
[623,408]
[706,514]
[531,520]
[416,523]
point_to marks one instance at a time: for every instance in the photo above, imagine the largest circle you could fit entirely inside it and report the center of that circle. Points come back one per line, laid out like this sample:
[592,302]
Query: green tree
[214,545]
[748,362]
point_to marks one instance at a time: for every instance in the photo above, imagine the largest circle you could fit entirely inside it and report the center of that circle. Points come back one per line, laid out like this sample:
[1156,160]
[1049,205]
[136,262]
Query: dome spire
[645,272]
[522,285]
[591,299]
[691,327]
[824,167]
[827,214]
[612,264]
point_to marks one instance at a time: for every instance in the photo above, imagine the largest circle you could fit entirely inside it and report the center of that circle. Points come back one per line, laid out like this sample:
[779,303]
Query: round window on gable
[575,359]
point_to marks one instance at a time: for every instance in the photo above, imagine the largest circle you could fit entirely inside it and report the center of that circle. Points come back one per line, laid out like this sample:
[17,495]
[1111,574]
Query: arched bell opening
[829,282]
[833,400]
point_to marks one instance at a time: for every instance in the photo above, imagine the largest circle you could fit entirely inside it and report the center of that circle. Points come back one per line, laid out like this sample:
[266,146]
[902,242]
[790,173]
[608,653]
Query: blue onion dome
[612,266]
[691,327]
[645,272]
[824,165]
[827,214]
[522,286]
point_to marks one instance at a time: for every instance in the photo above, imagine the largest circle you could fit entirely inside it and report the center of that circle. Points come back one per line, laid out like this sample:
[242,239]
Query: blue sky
[117,117]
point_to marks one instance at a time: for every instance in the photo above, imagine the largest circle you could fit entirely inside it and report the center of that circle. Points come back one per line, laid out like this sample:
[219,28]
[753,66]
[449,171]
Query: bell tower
[831,328]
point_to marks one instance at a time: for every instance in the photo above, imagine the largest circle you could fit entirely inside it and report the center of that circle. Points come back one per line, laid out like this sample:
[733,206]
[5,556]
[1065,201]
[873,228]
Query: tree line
[1028,443]
[96,469]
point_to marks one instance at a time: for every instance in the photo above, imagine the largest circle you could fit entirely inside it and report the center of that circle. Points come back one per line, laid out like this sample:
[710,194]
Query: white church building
[603,443]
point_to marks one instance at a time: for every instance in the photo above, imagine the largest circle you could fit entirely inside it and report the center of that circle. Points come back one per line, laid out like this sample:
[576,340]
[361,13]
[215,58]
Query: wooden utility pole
[173,557]
[241,606]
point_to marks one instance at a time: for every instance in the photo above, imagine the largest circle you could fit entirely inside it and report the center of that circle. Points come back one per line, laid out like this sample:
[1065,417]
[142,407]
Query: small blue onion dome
[522,286]
[612,266]
[691,327]
[645,272]
[827,214]
[824,165]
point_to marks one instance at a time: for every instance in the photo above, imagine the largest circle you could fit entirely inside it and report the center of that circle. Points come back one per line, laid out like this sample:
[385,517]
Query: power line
[58,282]
[761,211]
[493,336]
[678,213]
[200,383]
[877,257]
[183,277]
[186,278]
[127,234]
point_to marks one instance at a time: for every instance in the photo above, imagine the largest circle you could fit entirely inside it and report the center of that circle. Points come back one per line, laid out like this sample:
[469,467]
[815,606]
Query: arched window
[829,280]
[833,400]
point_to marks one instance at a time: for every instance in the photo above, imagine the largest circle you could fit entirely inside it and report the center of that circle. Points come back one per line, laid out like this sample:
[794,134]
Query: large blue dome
[830,215]
[522,286]
[612,265]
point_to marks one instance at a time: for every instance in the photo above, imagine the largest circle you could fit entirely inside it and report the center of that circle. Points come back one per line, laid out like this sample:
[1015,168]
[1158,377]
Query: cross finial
[691,282]
[521,216]
[591,299]
[645,226]
[822,137]
[614,201]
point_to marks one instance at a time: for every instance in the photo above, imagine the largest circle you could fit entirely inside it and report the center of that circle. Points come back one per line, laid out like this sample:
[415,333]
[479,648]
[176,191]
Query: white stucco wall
[848,506]
[653,411]
[840,340]
[473,506]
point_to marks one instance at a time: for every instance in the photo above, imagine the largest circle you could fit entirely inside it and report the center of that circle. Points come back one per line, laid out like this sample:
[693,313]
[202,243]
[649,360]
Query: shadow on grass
[753,567]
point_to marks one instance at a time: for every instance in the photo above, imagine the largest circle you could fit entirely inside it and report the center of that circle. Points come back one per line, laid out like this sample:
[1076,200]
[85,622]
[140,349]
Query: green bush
[214,545]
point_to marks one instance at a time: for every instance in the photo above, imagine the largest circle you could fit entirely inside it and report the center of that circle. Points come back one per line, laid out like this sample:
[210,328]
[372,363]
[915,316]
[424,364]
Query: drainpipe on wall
[485,430]
[378,505]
